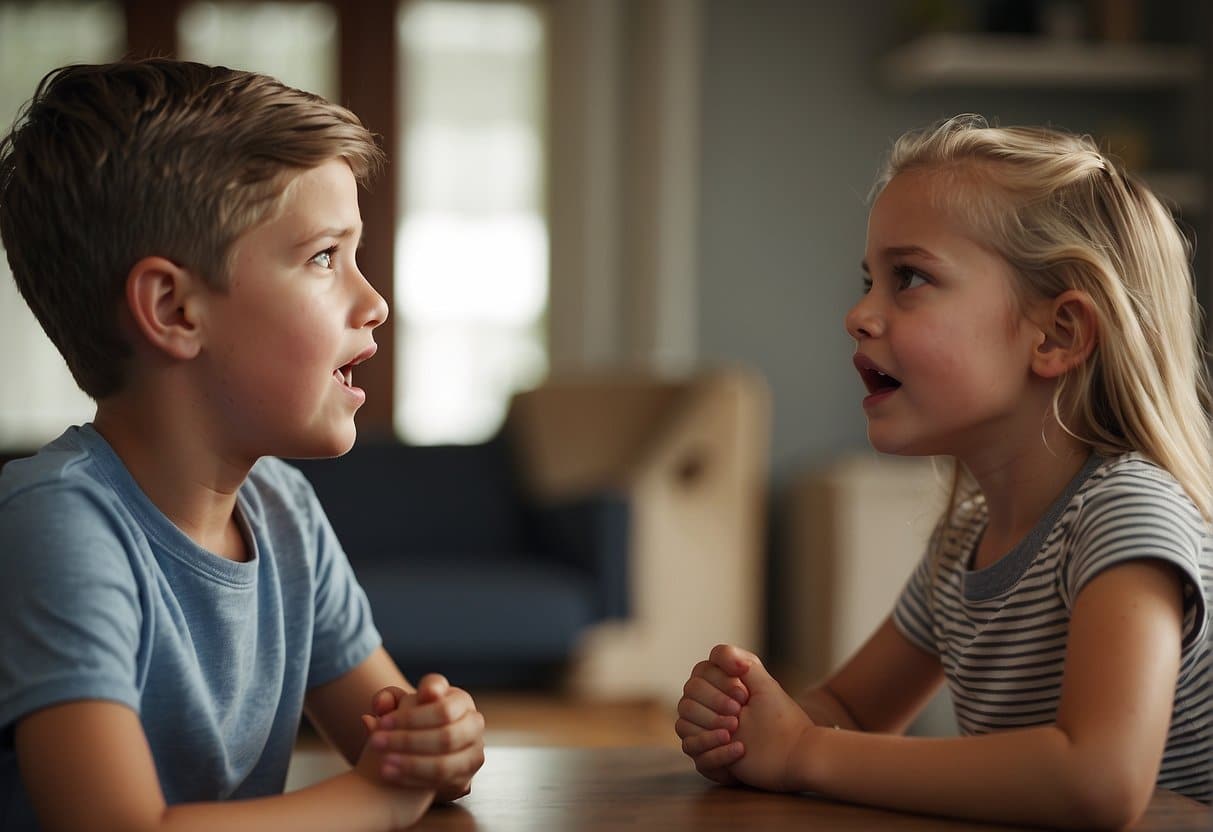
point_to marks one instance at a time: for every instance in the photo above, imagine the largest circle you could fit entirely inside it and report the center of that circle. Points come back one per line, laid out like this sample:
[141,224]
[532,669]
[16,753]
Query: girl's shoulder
[1135,478]
[1132,493]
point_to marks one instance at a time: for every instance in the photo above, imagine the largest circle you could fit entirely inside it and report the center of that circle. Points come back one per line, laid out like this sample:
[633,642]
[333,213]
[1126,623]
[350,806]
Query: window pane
[472,249]
[40,397]
[294,42]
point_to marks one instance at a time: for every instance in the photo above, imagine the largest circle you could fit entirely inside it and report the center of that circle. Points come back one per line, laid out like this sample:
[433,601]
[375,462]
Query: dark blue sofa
[465,574]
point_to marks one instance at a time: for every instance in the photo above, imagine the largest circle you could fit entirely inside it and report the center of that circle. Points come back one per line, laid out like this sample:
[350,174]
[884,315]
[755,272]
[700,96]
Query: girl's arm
[1096,766]
[86,766]
[881,688]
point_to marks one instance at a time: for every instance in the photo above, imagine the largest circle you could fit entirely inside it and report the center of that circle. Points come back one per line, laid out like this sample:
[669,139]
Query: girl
[1029,311]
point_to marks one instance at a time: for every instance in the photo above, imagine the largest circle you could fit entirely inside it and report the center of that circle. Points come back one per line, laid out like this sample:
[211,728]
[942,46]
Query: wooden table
[591,789]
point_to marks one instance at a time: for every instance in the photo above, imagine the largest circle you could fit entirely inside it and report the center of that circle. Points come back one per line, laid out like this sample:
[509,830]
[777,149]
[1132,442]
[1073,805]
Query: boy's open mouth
[345,373]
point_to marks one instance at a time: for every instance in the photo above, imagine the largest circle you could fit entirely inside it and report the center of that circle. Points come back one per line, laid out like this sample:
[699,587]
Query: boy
[170,600]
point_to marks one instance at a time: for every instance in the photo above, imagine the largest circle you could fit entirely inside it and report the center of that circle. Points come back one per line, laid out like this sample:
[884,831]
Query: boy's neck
[173,459]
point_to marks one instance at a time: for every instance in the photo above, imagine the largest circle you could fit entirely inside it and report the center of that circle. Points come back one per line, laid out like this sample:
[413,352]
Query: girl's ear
[163,300]
[1069,333]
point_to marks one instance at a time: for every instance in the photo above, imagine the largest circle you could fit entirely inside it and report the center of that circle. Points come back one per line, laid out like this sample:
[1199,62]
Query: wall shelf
[1184,189]
[970,60]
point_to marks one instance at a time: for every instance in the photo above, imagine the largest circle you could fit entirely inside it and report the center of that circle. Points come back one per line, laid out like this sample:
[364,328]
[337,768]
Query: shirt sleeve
[70,617]
[343,633]
[1140,514]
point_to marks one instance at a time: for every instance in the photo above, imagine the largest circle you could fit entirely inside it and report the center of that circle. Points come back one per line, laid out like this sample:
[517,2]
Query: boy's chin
[322,448]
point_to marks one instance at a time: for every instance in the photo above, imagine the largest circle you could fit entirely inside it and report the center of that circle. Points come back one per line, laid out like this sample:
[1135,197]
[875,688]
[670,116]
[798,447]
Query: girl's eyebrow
[903,251]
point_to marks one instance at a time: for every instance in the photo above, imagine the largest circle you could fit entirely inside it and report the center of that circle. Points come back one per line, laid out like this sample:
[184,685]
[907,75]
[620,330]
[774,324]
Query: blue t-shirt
[102,597]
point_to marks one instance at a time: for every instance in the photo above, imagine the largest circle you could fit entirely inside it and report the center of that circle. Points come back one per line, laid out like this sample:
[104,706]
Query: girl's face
[941,343]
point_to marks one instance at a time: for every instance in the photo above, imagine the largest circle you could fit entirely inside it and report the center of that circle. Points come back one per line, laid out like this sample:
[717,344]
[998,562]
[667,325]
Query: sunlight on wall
[471,248]
[40,398]
[294,42]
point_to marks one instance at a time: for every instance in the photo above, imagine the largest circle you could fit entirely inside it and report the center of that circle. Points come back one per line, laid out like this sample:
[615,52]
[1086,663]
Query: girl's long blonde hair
[1065,216]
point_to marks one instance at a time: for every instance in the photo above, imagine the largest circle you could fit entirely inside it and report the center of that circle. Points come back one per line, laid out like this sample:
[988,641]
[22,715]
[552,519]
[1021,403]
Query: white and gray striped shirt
[1000,632]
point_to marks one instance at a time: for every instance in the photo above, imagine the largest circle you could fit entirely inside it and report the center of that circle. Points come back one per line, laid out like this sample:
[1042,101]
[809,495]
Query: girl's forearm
[347,801]
[826,709]
[1029,776]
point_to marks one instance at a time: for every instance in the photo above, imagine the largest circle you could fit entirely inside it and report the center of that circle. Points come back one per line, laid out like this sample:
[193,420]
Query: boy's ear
[163,301]
[1069,331]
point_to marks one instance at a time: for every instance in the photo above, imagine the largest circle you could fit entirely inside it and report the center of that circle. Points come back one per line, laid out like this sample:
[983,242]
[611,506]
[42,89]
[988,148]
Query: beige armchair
[691,455]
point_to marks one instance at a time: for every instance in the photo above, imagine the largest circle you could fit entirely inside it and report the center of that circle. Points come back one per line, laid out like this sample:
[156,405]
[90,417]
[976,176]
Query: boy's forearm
[347,801]
[1031,776]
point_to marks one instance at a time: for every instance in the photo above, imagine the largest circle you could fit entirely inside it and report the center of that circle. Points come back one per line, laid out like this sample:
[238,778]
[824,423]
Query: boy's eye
[867,284]
[325,258]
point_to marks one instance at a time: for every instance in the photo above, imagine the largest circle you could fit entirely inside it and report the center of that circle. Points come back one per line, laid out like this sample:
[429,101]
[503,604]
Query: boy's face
[281,342]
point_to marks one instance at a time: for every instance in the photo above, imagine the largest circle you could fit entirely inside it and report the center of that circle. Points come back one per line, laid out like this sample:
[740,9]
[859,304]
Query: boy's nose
[863,320]
[374,309]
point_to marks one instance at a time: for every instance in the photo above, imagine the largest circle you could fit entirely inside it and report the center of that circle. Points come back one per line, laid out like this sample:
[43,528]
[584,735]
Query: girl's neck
[1020,483]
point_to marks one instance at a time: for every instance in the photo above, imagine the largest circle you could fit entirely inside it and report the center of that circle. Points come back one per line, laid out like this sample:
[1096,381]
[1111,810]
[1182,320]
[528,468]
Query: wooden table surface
[591,789]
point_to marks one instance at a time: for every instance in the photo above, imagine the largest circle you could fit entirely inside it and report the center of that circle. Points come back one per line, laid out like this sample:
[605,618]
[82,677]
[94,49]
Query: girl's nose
[864,319]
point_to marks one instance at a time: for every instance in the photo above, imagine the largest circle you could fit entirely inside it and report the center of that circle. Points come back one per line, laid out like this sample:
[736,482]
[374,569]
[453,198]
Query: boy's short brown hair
[111,163]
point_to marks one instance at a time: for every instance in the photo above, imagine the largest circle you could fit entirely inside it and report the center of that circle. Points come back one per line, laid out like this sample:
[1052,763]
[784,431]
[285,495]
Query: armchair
[605,538]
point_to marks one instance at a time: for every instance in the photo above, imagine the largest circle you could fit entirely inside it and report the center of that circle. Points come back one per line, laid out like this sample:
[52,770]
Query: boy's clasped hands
[739,725]
[430,739]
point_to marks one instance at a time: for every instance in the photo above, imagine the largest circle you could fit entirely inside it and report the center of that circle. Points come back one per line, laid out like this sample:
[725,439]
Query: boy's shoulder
[81,463]
[66,463]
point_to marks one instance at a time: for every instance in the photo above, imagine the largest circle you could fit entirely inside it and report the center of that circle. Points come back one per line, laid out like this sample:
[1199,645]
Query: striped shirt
[1000,632]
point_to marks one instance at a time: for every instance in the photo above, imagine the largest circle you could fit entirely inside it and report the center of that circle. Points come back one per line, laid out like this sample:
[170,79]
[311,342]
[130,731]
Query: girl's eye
[909,278]
[325,258]
[867,284]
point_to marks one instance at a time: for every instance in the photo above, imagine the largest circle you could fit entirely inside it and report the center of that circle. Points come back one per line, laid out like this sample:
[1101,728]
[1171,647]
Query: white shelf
[997,60]
[1184,189]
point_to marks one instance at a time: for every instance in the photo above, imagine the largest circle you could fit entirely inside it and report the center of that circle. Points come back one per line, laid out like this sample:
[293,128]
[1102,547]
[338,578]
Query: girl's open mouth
[877,381]
[874,377]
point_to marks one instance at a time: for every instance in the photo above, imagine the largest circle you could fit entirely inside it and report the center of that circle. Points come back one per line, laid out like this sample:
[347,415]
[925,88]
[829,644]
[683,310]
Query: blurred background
[656,186]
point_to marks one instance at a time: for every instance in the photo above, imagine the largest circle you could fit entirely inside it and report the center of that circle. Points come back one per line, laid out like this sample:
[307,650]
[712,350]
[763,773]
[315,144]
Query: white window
[40,398]
[293,42]
[472,241]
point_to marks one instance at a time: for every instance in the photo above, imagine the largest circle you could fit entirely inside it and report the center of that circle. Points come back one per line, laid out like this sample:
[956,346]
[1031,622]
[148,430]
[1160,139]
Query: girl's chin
[885,443]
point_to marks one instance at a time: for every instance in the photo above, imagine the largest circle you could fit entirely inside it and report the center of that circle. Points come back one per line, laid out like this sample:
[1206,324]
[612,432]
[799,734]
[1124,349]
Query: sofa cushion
[525,610]
[384,498]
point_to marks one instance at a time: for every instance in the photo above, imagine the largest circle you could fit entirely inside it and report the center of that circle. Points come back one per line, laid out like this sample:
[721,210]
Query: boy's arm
[435,739]
[1096,766]
[86,766]
[335,708]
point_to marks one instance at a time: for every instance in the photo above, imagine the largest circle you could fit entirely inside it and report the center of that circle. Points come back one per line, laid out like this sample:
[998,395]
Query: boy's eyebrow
[337,232]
